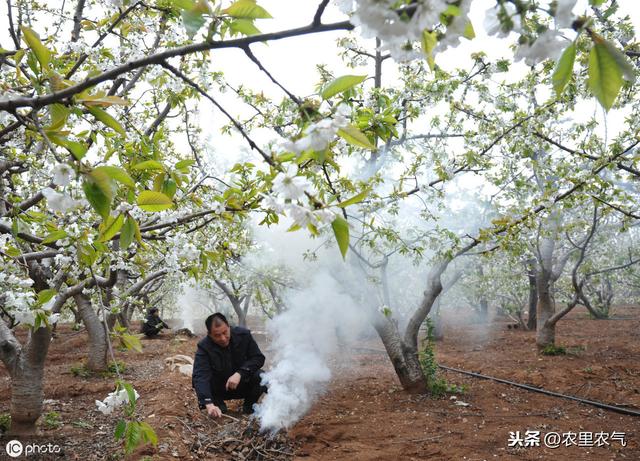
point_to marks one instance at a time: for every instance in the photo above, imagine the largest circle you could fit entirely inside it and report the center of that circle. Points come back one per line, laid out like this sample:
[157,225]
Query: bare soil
[365,415]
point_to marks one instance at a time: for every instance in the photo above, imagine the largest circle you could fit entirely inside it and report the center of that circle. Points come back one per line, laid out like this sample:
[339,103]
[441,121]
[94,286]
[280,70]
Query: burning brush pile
[238,439]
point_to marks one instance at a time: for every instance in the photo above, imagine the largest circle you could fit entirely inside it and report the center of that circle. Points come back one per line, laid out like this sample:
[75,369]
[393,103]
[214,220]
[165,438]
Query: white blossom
[289,185]
[62,174]
[272,203]
[114,400]
[317,136]
[59,201]
[53,318]
[549,45]
[25,317]
[301,216]
[492,23]
[564,16]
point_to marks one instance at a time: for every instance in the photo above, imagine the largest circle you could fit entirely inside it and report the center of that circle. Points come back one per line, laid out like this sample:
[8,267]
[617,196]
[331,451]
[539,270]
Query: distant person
[153,324]
[226,367]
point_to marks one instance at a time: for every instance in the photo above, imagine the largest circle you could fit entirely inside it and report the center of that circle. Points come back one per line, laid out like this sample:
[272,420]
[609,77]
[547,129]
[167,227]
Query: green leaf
[605,75]
[244,27]
[104,117]
[341,231]
[116,173]
[341,84]
[429,42]
[132,436]
[97,199]
[33,41]
[120,428]
[55,236]
[355,199]
[184,164]
[148,434]
[59,115]
[131,342]
[150,200]
[127,233]
[247,9]
[100,99]
[193,19]
[355,137]
[469,33]
[110,227]
[103,180]
[148,165]
[564,69]
[130,392]
[45,296]
[77,149]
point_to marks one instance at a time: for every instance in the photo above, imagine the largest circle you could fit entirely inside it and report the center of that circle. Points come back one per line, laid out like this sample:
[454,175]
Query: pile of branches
[240,439]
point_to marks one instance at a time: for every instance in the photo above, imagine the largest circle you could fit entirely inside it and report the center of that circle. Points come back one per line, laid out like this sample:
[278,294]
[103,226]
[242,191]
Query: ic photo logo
[14,448]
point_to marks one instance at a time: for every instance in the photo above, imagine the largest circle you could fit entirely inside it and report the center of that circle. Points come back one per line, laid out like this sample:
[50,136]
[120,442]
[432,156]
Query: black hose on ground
[621,410]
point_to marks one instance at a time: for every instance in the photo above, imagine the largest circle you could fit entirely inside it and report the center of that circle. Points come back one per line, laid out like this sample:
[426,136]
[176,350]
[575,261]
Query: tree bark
[533,299]
[546,331]
[26,368]
[97,358]
[404,359]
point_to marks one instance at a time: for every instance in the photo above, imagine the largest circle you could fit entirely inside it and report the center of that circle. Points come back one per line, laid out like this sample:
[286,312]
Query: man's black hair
[217,318]
[153,310]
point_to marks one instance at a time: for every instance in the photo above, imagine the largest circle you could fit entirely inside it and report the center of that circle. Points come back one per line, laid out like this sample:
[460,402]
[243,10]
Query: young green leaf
[355,137]
[110,227]
[120,428]
[96,198]
[341,84]
[429,42]
[247,9]
[148,434]
[77,149]
[148,165]
[43,55]
[127,233]
[150,200]
[355,199]
[132,436]
[564,69]
[341,231]
[104,117]
[605,75]
[54,236]
[116,173]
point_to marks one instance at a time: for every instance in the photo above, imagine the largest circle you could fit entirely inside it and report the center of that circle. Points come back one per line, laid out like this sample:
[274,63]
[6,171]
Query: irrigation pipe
[604,406]
[621,410]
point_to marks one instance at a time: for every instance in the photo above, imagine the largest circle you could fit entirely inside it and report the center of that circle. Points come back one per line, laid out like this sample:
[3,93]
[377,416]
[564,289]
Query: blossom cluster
[401,30]
[114,400]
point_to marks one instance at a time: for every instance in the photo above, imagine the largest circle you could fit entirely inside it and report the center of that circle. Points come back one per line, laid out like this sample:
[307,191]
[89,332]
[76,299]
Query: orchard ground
[365,415]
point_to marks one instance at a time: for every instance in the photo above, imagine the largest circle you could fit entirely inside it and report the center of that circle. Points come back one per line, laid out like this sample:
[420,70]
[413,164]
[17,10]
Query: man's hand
[233,381]
[214,411]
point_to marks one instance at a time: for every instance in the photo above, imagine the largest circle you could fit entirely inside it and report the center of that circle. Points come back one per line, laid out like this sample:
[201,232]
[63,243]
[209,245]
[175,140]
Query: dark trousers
[249,389]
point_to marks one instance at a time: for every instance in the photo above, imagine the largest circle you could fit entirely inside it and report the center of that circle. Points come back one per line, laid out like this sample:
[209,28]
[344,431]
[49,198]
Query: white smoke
[320,319]
[195,304]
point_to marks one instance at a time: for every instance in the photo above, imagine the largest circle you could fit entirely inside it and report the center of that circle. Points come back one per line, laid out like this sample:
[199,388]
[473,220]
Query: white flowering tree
[103,174]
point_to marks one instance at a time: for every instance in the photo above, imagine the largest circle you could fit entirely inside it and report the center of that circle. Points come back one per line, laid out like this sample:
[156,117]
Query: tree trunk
[97,359]
[26,367]
[533,298]
[404,359]
[546,331]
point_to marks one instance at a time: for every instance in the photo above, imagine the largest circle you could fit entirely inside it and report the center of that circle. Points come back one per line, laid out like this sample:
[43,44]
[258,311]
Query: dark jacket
[153,325]
[213,365]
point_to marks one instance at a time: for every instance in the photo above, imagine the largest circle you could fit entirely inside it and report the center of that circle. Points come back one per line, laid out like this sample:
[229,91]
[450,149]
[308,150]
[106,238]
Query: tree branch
[43,100]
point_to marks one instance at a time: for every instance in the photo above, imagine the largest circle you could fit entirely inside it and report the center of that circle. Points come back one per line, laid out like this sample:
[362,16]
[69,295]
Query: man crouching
[227,366]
